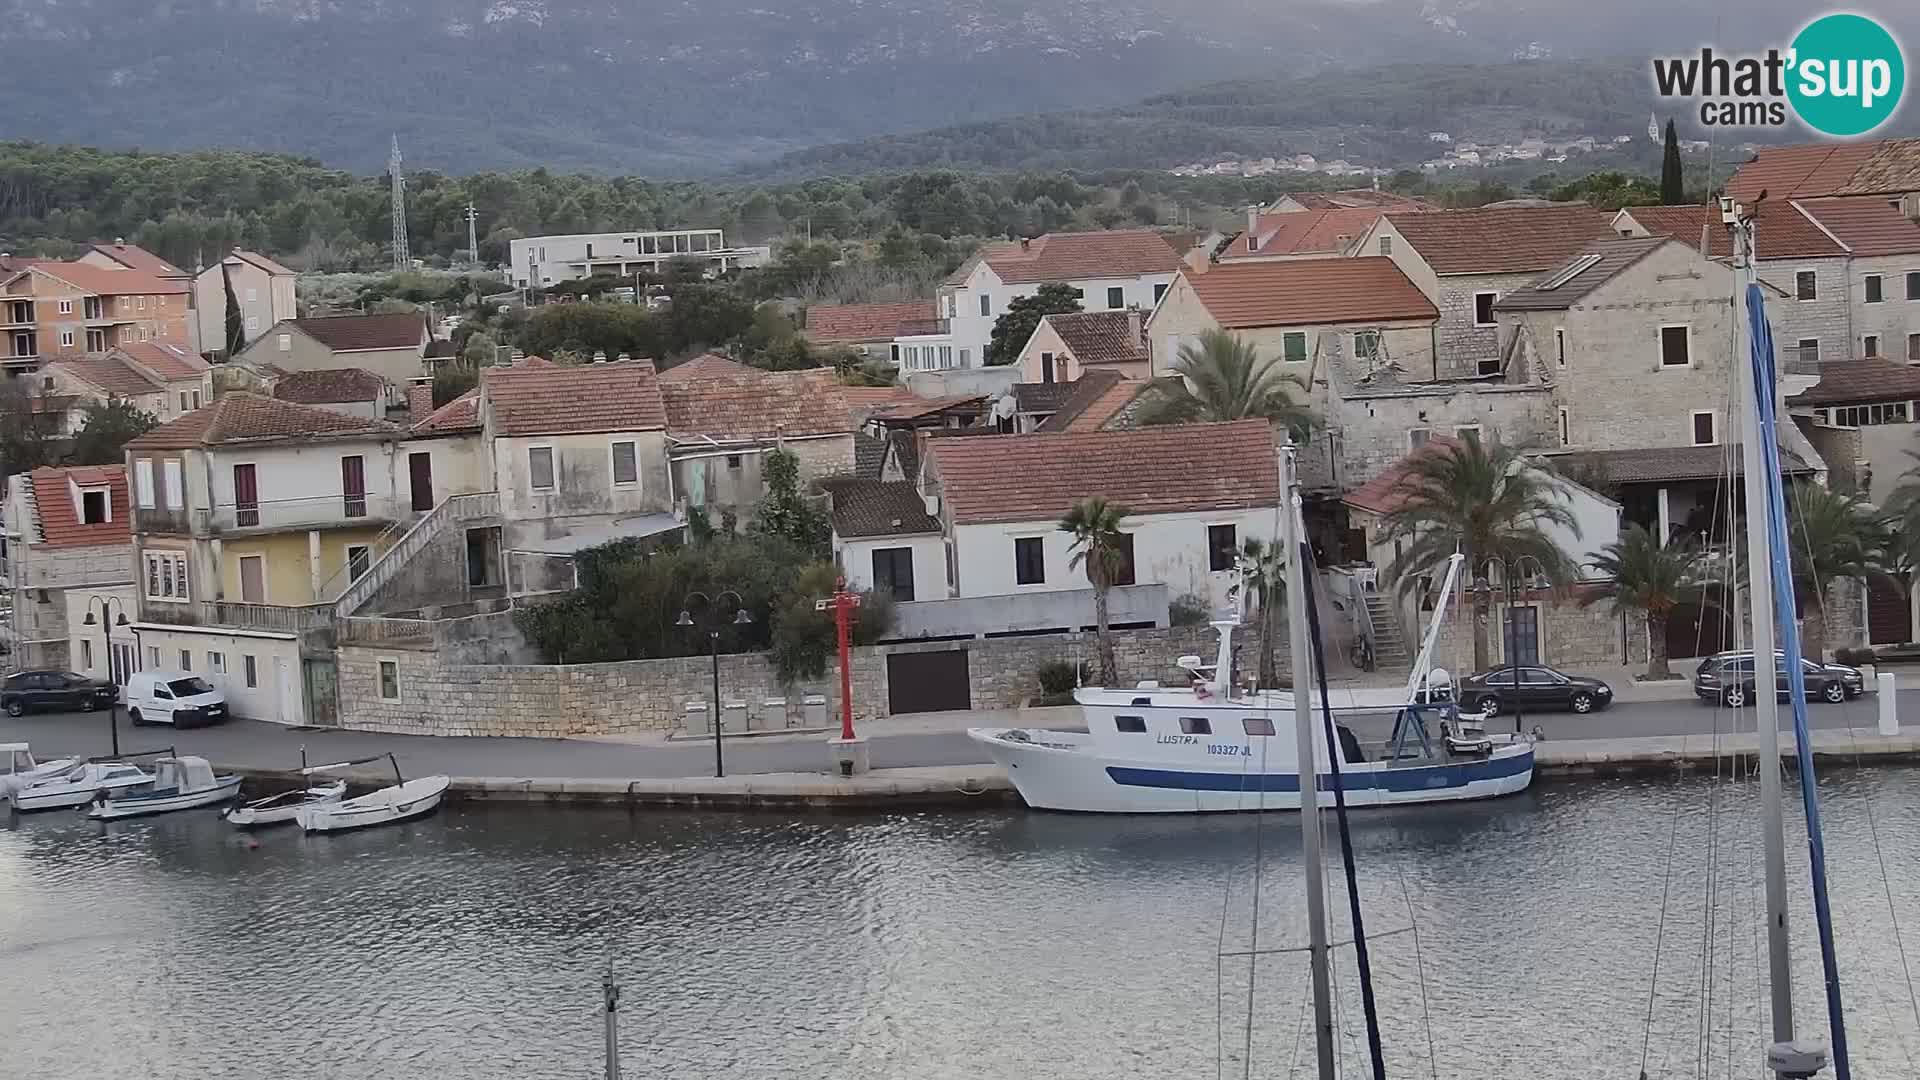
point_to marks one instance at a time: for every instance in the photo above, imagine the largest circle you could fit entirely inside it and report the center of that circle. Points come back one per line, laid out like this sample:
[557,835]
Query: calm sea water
[994,945]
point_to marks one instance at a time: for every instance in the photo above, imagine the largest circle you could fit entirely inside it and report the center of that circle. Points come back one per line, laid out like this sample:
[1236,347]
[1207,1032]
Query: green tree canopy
[105,431]
[1649,577]
[1222,379]
[1012,329]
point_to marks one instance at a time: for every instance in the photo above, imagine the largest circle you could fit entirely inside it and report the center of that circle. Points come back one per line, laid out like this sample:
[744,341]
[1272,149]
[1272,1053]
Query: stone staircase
[453,510]
[1390,652]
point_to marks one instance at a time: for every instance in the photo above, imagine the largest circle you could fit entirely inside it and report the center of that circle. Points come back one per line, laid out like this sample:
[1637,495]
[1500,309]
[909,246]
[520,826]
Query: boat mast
[1307,762]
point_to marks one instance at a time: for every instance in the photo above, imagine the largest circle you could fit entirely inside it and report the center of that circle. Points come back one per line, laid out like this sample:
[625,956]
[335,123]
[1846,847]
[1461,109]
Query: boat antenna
[1307,765]
[1334,752]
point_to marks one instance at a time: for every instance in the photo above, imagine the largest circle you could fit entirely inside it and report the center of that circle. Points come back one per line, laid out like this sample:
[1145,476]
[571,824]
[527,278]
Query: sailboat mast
[1307,761]
[1761,609]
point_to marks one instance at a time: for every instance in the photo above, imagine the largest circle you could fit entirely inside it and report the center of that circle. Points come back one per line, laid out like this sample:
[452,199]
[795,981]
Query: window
[173,477]
[1897,412]
[359,559]
[1809,350]
[166,577]
[1469,433]
[86,655]
[1483,308]
[66,339]
[1913,348]
[1130,725]
[1560,346]
[893,572]
[1223,547]
[196,399]
[951,305]
[153,656]
[1046,367]
[1566,427]
[1196,725]
[946,356]
[626,464]
[95,507]
[1675,350]
[986,304]
[540,468]
[1913,284]
[1366,344]
[186,659]
[1293,347]
[966,357]
[284,342]
[1386,245]
[1806,286]
[253,324]
[390,680]
[143,483]
[253,296]
[1876,289]
[1870,345]
[1161,290]
[66,307]
[1417,437]
[1029,561]
[733,461]
[1116,297]
[183,401]
[1260,725]
[97,340]
[217,663]
[1702,428]
[1122,574]
[251,671]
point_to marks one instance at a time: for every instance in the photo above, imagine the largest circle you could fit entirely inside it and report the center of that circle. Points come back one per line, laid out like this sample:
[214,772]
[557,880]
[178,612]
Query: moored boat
[81,784]
[282,807]
[180,783]
[399,801]
[18,764]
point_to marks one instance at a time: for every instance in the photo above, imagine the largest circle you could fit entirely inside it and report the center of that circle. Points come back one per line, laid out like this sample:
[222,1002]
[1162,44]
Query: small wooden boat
[18,764]
[404,799]
[283,806]
[180,783]
[82,784]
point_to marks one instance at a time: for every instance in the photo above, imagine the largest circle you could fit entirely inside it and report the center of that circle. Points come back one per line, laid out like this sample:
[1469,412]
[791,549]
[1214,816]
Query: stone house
[162,380]
[721,427]
[347,391]
[262,288]
[868,329]
[1465,260]
[885,540]
[1065,347]
[1303,233]
[393,347]
[68,548]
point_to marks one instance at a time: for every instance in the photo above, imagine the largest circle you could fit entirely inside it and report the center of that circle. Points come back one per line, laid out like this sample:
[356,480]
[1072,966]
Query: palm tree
[1483,502]
[1224,378]
[1263,567]
[1831,536]
[1646,576]
[1100,546]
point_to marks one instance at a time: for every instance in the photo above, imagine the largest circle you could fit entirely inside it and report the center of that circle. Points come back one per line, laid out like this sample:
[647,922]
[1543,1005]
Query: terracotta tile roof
[58,518]
[868,399]
[1866,223]
[704,366]
[260,261]
[1355,197]
[419,401]
[1101,337]
[110,373]
[1157,470]
[757,405]
[549,399]
[830,323]
[869,455]
[1781,231]
[1666,464]
[248,418]
[1847,382]
[462,414]
[1087,390]
[1893,167]
[1040,397]
[1307,292]
[1119,253]
[877,508]
[347,333]
[1809,169]
[174,363]
[919,407]
[332,386]
[1513,240]
[110,281]
[532,363]
[1597,264]
[1332,231]
[1387,491]
[135,257]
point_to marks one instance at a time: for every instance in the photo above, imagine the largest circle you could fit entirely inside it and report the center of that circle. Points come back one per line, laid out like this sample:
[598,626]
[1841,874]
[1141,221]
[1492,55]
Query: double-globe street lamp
[107,623]
[1507,571]
[711,622]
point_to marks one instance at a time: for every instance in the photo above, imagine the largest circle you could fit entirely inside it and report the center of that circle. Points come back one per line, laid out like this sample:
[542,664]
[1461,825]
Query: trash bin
[773,714]
[696,722]
[815,710]
[733,716]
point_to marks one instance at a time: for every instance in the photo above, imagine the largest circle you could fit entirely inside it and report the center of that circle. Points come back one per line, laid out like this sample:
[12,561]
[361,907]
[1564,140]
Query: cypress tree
[1673,188]
[236,329]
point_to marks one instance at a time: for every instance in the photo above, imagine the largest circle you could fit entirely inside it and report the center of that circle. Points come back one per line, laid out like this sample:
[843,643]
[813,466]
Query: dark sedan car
[27,690]
[1728,679]
[1539,687]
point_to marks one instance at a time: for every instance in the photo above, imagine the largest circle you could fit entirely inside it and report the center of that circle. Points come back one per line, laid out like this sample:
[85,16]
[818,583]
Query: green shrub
[1189,609]
[1060,677]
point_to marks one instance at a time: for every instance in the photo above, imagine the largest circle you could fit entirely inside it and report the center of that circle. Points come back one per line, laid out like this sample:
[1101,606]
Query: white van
[174,697]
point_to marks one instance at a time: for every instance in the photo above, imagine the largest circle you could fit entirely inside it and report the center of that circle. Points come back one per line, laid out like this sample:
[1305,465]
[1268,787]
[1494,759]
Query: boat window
[1196,725]
[1130,724]
[190,687]
[1257,725]
[1142,701]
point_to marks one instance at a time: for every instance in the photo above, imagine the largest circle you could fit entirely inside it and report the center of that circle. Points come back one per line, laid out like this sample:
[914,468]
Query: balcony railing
[275,515]
[270,617]
[1798,361]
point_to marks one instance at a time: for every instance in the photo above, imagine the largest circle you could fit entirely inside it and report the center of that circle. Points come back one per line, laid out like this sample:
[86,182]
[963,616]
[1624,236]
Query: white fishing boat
[179,783]
[1212,747]
[284,806]
[81,784]
[18,764]
[398,802]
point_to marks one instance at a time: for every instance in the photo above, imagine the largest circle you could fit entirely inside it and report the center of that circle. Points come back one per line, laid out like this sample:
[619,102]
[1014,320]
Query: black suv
[1728,678]
[25,690]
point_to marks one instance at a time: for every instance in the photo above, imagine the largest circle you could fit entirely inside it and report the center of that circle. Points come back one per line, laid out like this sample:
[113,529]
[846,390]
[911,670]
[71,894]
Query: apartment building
[51,310]
[538,261]
[162,380]
[69,552]
[262,288]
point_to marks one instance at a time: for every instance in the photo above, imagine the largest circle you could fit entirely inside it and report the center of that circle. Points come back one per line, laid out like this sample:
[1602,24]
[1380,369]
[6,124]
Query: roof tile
[59,518]
[849,323]
[135,257]
[1509,240]
[110,281]
[863,507]
[1781,231]
[1118,253]
[1305,292]
[704,366]
[1101,337]
[1866,223]
[1331,231]
[110,373]
[174,363]
[756,405]
[1847,382]
[247,418]
[1809,169]
[331,386]
[1598,263]
[551,399]
[346,333]
[460,415]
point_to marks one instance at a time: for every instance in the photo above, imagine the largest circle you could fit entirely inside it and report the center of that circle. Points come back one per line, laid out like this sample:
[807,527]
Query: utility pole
[402,258]
[1307,761]
[473,244]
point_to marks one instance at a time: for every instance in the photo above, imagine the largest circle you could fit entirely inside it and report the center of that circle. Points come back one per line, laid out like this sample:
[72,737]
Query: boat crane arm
[1416,680]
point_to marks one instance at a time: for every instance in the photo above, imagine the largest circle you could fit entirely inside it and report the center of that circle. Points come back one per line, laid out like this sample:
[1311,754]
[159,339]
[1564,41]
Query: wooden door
[253,579]
[246,496]
[353,484]
[420,476]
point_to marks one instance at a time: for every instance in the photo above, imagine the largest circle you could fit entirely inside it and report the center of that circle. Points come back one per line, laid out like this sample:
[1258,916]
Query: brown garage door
[1889,620]
[928,682]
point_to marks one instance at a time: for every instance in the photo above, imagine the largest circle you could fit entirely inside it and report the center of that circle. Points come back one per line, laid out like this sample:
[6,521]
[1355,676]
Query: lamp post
[711,625]
[107,604]
[842,603]
[1513,625]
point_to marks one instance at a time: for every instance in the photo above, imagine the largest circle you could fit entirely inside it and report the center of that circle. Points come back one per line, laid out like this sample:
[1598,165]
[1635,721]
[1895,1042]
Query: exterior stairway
[453,511]
[1390,651]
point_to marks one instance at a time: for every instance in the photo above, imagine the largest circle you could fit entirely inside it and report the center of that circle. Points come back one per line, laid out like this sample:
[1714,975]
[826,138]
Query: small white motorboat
[282,807]
[180,783]
[17,763]
[82,784]
[403,800]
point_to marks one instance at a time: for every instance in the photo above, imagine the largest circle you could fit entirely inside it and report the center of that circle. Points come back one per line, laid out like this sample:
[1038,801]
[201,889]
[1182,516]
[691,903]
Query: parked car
[1539,688]
[174,697]
[1728,679]
[27,690]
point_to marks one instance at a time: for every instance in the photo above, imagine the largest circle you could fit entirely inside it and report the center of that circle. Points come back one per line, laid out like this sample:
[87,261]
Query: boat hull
[223,789]
[70,796]
[415,798]
[250,816]
[1065,771]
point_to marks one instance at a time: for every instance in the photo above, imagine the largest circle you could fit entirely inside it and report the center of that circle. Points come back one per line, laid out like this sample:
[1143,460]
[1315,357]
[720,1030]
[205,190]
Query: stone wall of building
[1370,433]
[1572,638]
[1461,343]
[1827,318]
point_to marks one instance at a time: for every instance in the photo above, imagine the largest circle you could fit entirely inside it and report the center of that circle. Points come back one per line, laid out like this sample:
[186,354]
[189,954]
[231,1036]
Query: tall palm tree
[1646,576]
[1484,502]
[1263,567]
[1832,536]
[1224,378]
[1100,546]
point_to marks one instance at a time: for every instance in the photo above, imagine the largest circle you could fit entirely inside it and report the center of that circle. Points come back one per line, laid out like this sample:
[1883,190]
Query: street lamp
[1513,624]
[710,607]
[106,637]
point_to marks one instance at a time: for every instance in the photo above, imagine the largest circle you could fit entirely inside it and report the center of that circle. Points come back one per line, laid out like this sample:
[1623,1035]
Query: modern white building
[539,261]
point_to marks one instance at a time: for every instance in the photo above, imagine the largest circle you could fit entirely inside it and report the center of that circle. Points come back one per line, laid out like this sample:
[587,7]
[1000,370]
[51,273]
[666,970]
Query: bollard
[1889,718]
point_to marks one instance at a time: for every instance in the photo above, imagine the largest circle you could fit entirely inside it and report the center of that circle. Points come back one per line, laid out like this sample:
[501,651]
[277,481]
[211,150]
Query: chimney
[1253,228]
[1133,326]
[1026,242]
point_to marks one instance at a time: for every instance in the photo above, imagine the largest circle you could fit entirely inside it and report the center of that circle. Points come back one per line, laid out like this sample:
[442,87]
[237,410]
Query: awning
[1671,464]
[592,536]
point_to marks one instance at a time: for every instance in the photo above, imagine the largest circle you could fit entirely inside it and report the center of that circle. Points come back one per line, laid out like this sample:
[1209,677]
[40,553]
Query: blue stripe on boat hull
[1410,778]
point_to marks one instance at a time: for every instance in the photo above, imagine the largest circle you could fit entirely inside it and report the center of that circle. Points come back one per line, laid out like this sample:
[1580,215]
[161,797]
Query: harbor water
[1580,930]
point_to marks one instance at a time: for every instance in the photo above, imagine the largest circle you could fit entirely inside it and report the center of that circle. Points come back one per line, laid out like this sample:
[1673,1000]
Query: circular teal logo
[1847,75]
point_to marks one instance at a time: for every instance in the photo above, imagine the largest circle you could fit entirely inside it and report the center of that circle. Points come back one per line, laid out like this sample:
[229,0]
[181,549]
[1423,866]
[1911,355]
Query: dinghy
[283,806]
[407,799]
[180,783]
